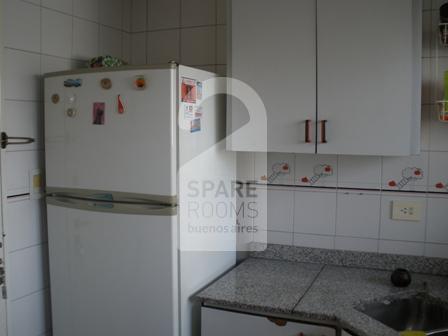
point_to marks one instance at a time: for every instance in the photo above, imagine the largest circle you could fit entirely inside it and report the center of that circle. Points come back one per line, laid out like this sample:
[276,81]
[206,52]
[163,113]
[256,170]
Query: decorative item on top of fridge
[442,105]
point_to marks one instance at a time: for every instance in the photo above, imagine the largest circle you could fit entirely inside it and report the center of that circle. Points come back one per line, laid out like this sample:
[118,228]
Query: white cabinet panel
[273,50]
[223,323]
[368,70]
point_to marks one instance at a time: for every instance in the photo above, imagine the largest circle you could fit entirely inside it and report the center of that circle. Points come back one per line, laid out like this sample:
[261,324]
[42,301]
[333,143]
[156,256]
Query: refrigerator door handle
[151,209]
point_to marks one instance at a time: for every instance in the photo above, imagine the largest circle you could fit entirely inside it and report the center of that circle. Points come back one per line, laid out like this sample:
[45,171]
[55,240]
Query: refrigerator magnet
[195,126]
[188,112]
[140,82]
[69,83]
[199,90]
[198,112]
[120,105]
[106,83]
[99,114]
[55,98]
[188,91]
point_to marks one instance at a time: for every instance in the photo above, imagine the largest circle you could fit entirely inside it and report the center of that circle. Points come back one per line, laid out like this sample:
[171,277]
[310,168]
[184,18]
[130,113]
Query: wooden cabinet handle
[323,131]
[307,131]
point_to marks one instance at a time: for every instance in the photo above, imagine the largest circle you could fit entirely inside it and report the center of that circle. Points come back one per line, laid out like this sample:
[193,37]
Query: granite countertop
[321,293]
[263,285]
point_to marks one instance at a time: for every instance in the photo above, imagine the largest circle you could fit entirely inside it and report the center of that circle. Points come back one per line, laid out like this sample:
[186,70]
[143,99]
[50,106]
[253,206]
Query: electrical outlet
[406,211]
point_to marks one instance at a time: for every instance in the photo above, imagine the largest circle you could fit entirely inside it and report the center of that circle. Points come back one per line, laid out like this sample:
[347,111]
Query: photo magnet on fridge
[99,113]
[199,90]
[195,126]
[188,91]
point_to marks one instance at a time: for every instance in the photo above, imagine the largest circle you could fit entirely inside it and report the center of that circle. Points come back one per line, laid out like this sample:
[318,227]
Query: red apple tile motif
[278,169]
[409,174]
[320,172]
[442,186]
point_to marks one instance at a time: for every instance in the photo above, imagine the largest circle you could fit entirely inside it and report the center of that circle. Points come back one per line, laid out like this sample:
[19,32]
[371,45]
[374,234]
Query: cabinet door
[223,323]
[369,56]
[273,50]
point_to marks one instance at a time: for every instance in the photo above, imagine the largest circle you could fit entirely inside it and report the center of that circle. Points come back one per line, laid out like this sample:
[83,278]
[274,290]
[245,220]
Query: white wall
[42,36]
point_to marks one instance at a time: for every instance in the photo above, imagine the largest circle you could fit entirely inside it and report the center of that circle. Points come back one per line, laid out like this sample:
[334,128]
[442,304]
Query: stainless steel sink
[420,312]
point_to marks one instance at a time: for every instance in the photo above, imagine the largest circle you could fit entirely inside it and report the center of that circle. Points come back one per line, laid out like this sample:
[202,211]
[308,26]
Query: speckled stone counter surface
[337,291]
[324,294]
[263,286]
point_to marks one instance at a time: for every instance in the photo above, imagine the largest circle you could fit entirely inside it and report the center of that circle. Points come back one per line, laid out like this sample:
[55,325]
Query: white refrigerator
[128,153]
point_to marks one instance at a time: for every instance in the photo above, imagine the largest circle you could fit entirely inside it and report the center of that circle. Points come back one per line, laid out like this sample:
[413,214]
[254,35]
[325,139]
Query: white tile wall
[437,227]
[163,14]
[191,32]
[54,35]
[22,22]
[111,13]
[87,9]
[198,13]
[198,45]
[163,46]
[315,212]
[355,244]
[401,247]
[56,41]
[85,39]
[31,261]
[36,309]
[138,47]
[111,42]
[65,6]
[358,214]
[26,216]
[359,172]
[139,15]
[21,75]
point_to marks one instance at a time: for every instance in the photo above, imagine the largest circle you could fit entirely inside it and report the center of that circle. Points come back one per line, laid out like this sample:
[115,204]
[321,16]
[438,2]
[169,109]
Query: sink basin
[420,313]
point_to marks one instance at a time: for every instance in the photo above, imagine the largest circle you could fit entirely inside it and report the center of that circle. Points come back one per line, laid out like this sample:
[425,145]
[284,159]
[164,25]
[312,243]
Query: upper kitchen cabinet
[273,50]
[369,76]
[336,76]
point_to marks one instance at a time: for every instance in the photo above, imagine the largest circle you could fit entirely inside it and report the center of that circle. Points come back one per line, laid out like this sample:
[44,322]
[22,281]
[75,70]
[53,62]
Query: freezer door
[90,144]
[112,274]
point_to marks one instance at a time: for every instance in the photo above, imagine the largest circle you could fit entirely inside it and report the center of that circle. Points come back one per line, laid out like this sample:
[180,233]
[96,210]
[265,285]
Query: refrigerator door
[113,137]
[112,274]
